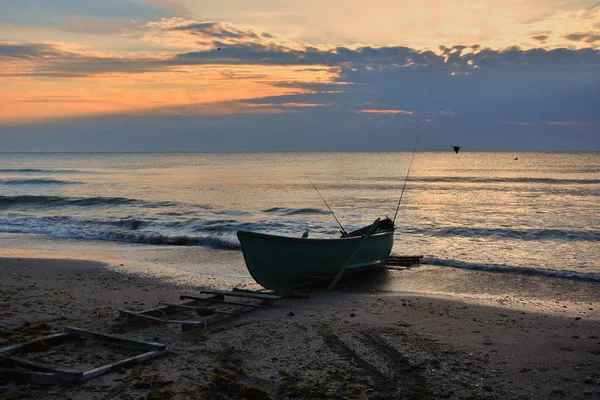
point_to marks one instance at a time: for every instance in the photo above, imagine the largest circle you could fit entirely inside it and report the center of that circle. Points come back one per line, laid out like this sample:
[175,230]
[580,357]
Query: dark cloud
[51,61]
[540,38]
[27,51]
[463,90]
[587,37]
[216,30]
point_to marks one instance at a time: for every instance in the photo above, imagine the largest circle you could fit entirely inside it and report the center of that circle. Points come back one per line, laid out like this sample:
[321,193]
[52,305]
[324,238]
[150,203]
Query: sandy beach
[358,342]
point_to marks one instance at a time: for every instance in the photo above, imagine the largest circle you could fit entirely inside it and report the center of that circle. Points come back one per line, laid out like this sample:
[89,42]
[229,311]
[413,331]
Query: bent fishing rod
[344,233]
[405,180]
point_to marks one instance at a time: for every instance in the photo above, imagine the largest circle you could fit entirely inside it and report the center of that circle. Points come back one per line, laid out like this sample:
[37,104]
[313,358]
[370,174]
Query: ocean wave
[504,233]
[155,238]
[513,269]
[476,179]
[36,181]
[64,201]
[42,171]
[295,211]
[215,242]
[60,201]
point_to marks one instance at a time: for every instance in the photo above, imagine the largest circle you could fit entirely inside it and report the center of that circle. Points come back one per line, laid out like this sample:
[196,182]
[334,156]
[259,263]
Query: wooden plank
[182,297]
[128,343]
[213,319]
[92,373]
[160,311]
[243,293]
[140,315]
[58,370]
[196,308]
[38,378]
[267,299]
[30,344]
[404,259]
[345,266]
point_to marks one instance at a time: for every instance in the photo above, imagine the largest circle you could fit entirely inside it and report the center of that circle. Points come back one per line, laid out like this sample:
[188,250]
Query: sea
[524,213]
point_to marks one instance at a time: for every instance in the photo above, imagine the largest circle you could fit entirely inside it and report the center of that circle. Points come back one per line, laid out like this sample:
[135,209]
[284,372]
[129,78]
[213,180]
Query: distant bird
[305,235]
[218,48]
[516,158]
[456,148]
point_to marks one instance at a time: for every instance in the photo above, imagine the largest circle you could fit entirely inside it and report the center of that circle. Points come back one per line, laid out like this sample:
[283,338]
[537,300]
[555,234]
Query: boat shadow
[366,281]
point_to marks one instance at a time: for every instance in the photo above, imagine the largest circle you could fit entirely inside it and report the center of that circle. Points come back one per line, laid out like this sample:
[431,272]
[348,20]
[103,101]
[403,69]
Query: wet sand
[464,335]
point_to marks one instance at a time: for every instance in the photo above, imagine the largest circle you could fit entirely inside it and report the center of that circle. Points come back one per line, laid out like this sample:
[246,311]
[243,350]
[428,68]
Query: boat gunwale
[309,240]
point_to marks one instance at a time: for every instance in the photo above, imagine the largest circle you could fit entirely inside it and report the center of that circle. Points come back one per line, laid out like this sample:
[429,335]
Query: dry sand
[351,344]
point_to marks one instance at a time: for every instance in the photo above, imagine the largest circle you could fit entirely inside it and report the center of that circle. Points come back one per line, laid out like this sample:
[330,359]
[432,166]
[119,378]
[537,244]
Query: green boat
[283,263]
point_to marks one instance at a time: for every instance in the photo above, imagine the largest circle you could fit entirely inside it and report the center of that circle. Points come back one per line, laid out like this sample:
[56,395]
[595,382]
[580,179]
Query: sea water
[515,212]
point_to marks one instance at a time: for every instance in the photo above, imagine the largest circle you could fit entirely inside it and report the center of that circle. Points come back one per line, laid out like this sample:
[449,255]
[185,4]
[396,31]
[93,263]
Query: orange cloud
[574,123]
[371,111]
[186,90]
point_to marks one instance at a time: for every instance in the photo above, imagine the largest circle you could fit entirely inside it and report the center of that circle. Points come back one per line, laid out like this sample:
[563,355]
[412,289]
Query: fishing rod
[405,180]
[344,233]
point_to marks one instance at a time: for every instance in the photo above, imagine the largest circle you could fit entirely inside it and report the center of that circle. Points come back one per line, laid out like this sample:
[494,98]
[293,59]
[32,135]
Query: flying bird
[456,149]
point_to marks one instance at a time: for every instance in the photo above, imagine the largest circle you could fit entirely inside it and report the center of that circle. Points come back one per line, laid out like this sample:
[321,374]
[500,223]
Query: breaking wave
[295,211]
[60,201]
[38,181]
[474,179]
[217,242]
[520,234]
[513,269]
[42,171]
[63,201]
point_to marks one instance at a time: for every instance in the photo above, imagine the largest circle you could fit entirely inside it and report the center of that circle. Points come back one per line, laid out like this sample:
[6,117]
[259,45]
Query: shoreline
[351,343]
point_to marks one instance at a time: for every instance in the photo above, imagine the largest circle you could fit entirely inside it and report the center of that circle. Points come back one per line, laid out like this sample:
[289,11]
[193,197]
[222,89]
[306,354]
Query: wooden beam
[128,343]
[33,343]
[196,308]
[92,373]
[372,228]
[182,297]
[140,315]
[58,370]
[243,293]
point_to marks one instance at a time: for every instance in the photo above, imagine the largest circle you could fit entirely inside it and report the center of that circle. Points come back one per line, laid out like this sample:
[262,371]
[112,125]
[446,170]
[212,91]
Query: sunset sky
[271,75]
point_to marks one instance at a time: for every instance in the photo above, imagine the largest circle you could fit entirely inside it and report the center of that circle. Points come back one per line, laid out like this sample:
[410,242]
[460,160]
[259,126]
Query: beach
[505,304]
[479,335]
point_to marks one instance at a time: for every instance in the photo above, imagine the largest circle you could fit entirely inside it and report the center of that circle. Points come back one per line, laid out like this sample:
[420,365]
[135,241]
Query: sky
[282,75]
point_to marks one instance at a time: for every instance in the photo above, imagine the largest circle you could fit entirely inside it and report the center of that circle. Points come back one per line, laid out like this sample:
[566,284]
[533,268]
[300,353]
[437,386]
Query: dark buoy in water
[456,149]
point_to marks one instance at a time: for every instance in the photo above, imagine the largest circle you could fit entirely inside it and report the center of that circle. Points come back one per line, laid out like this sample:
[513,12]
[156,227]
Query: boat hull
[283,263]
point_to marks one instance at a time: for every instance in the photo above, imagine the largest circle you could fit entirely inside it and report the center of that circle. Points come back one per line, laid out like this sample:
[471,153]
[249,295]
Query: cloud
[468,83]
[215,30]
[540,38]
[179,32]
[375,111]
[587,37]
[48,60]
[59,99]
[27,50]
[579,124]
